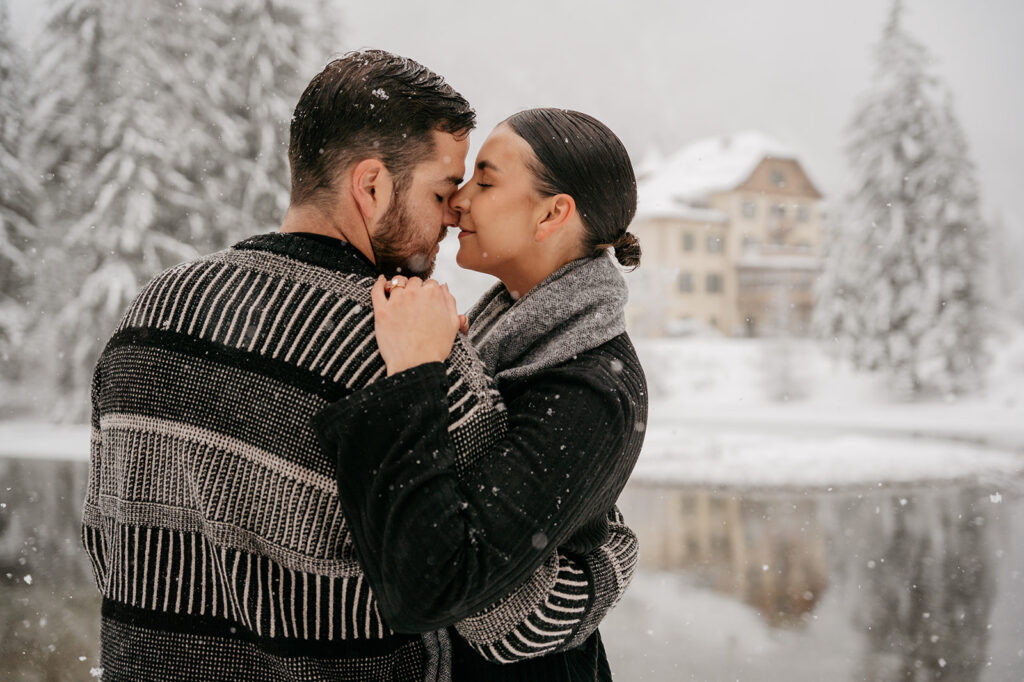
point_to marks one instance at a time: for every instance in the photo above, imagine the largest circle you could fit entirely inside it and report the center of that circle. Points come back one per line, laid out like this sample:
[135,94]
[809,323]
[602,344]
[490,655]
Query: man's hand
[417,324]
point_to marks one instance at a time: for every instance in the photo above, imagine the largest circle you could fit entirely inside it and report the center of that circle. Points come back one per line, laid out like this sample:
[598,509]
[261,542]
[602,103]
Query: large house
[731,227]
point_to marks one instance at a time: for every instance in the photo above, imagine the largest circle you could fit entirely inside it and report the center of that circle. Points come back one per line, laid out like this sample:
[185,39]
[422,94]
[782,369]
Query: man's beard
[395,252]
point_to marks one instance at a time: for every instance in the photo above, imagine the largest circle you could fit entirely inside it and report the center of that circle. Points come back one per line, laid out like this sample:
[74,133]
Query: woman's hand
[417,324]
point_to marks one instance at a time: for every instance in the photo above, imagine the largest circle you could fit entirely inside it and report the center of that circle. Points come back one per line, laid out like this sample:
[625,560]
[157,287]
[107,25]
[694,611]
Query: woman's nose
[459,201]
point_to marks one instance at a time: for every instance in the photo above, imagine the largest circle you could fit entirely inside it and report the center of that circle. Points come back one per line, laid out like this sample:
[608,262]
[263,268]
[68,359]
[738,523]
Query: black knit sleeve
[437,547]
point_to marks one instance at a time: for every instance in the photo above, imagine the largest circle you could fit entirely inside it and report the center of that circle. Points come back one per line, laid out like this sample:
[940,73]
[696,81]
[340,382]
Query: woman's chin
[465,260]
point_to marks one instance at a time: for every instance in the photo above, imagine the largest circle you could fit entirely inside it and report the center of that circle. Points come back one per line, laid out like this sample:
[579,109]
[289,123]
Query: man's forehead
[449,158]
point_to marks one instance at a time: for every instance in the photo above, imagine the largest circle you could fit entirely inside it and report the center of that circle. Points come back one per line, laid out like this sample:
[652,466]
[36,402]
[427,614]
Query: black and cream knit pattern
[564,619]
[211,516]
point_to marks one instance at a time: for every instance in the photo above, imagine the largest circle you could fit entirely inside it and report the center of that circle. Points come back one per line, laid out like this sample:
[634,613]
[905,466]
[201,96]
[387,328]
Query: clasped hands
[415,321]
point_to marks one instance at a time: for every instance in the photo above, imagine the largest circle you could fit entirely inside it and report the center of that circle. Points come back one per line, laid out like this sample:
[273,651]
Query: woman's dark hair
[579,156]
[369,104]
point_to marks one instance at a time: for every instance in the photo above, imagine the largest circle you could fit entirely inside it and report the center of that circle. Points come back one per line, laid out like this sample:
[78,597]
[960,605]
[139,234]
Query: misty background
[662,74]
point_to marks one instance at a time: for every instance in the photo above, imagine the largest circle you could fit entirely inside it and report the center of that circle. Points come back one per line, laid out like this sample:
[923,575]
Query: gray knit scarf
[576,308]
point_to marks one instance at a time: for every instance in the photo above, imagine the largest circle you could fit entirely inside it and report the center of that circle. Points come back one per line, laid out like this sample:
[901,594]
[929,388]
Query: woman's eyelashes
[482,185]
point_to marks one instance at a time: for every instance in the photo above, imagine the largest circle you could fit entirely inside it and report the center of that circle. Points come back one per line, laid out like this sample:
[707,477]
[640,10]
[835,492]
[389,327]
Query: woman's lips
[464,233]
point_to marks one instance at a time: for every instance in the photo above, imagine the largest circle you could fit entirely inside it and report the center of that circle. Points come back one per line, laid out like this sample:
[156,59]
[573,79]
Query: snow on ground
[770,413]
[757,460]
[755,412]
[39,440]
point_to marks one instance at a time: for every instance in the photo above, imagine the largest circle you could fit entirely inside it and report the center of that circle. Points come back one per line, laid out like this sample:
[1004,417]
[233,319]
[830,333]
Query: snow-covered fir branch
[18,196]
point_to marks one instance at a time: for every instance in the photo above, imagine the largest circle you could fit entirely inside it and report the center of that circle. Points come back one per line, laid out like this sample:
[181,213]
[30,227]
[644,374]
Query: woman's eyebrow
[487,165]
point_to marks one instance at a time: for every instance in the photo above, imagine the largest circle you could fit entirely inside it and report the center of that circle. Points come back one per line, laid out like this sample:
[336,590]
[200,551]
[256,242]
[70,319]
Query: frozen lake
[898,582]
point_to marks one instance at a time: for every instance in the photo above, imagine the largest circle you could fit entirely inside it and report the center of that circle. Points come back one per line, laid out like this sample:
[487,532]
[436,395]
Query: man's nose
[458,202]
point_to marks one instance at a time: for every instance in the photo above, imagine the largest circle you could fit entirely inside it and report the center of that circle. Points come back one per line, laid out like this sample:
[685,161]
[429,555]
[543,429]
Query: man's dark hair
[369,104]
[580,156]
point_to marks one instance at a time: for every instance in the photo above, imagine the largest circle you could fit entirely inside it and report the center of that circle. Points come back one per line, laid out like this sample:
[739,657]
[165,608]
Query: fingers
[377,294]
[453,311]
[450,301]
[463,324]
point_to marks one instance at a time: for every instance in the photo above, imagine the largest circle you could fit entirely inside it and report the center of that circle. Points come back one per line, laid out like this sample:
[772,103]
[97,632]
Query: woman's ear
[560,210]
[372,188]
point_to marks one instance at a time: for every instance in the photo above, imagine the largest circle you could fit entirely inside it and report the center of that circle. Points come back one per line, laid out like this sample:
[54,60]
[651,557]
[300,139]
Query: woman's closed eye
[482,185]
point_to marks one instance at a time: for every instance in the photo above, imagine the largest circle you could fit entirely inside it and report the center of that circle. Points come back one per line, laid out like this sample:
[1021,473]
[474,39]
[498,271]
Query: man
[212,515]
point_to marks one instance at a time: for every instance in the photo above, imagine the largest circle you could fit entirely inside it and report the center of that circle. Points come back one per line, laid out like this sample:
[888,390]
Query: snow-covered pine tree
[261,55]
[115,132]
[902,286]
[954,352]
[837,291]
[17,197]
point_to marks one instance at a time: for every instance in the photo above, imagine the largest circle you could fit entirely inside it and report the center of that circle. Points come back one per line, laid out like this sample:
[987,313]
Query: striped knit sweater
[212,517]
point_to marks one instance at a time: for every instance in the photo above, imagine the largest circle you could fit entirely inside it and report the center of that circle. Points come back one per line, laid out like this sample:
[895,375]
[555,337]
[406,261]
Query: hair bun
[627,250]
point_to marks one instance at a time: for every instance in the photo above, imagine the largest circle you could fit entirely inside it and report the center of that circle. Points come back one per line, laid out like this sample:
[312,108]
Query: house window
[749,209]
[714,284]
[689,243]
[803,213]
[778,211]
[684,284]
[778,178]
[715,244]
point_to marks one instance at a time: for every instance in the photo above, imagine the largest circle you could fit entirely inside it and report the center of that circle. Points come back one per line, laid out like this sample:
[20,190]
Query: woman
[552,191]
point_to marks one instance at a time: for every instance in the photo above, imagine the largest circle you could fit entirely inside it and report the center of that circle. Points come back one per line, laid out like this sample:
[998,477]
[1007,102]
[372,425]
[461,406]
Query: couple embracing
[306,465]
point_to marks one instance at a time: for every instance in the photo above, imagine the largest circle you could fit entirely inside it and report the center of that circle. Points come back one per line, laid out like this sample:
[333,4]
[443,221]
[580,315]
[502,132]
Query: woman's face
[499,206]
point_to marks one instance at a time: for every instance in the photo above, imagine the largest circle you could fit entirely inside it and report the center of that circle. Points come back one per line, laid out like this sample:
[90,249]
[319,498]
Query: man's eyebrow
[454,180]
[487,165]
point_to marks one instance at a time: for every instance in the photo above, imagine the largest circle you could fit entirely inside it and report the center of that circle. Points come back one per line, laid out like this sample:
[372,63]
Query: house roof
[703,167]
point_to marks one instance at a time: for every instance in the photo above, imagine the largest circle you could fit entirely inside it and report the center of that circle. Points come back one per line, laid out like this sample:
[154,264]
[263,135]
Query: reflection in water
[49,604]
[797,586]
[928,593]
[769,553]
[914,571]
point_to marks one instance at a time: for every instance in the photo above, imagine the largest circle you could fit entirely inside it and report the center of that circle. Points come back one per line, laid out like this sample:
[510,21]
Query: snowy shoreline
[716,420]
[680,456]
[727,452]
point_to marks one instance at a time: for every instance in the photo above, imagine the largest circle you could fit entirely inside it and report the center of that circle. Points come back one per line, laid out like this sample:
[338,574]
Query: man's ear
[372,188]
[560,210]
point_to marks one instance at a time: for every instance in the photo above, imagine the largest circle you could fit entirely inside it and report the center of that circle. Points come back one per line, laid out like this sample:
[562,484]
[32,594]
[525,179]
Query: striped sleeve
[561,604]
[93,539]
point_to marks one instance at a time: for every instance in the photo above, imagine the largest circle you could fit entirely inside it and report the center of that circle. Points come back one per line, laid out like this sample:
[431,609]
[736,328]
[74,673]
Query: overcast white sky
[663,73]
